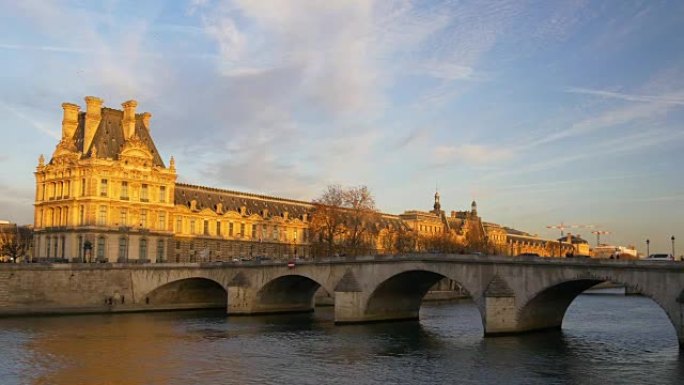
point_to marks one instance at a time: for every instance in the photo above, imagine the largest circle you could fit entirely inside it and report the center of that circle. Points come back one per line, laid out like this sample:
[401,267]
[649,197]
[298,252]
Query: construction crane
[562,227]
[598,235]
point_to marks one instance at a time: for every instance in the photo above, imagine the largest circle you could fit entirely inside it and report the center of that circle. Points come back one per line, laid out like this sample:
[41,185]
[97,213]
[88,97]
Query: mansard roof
[109,137]
[207,197]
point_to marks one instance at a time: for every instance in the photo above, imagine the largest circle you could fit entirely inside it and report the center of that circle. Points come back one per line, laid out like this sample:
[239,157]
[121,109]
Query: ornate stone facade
[106,195]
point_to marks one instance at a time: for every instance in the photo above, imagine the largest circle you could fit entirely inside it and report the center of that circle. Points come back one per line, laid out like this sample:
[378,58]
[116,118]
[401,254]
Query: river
[606,339]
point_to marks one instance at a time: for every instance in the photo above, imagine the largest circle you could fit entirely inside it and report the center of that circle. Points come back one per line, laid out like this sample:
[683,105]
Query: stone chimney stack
[129,118]
[93,117]
[69,120]
[146,120]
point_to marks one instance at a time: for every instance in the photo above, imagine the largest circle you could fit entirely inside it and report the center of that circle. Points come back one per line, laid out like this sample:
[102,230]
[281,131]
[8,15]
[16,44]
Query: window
[160,250]
[162,220]
[242,229]
[47,247]
[306,235]
[67,189]
[80,247]
[101,248]
[123,217]
[206,227]
[144,194]
[123,248]
[143,219]
[295,236]
[162,194]
[124,190]
[254,231]
[218,228]
[83,187]
[192,226]
[142,254]
[179,225]
[81,215]
[275,233]
[103,187]
[102,216]
[230,229]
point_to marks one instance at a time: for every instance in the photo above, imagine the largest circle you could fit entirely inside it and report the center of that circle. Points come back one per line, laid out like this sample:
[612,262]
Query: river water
[606,339]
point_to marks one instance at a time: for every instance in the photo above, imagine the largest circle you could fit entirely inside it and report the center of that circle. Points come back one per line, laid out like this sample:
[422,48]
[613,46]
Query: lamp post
[673,249]
[648,250]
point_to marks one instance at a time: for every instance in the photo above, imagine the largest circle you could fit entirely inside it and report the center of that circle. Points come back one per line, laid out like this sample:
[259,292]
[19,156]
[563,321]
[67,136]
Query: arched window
[123,249]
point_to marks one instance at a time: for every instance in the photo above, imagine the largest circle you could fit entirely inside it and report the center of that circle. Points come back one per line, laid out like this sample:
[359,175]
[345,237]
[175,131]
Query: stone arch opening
[188,293]
[289,293]
[400,296]
[547,309]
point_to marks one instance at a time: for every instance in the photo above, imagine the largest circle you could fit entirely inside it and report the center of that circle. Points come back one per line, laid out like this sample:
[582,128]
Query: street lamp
[648,250]
[673,249]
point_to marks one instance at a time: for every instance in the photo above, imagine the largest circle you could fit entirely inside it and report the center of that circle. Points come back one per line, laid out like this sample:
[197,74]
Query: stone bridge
[514,295]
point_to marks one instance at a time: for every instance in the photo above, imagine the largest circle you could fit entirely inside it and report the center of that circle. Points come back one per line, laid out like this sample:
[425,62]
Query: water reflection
[612,338]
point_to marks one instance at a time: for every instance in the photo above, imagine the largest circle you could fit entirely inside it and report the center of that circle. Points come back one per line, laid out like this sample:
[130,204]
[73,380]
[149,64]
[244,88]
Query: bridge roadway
[514,295]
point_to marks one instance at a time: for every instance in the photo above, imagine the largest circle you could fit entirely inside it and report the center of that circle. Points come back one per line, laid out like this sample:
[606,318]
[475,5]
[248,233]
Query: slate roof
[208,197]
[109,137]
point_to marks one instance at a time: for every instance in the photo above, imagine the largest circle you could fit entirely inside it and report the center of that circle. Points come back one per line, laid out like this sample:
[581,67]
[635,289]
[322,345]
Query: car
[528,255]
[660,257]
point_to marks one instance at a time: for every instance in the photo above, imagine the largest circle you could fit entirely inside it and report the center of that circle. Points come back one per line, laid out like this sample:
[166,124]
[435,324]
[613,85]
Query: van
[660,257]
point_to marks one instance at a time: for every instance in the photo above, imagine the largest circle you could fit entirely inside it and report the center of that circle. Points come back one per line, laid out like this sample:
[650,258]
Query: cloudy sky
[542,111]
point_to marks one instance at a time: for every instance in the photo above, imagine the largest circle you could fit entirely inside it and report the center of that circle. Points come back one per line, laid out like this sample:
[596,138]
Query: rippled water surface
[606,339]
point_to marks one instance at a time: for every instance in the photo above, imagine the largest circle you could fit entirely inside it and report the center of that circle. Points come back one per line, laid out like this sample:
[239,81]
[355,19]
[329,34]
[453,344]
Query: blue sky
[544,112]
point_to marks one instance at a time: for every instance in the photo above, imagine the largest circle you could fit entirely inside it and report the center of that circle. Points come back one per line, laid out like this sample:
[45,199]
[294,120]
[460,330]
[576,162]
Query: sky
[544,112]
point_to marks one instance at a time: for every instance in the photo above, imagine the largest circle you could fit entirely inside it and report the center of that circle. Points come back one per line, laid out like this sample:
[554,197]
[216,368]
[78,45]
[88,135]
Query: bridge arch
[546,308]
[400,296]
[287,293]
[189,293]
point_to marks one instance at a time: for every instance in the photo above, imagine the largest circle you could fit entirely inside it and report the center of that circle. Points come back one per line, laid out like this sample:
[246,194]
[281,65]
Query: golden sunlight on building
[106,195]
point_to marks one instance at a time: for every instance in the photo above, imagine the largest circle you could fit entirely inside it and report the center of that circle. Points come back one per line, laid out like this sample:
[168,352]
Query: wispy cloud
[675,98]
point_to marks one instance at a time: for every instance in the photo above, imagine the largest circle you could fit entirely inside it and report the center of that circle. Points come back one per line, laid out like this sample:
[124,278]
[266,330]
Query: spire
[473,208]
[437,207]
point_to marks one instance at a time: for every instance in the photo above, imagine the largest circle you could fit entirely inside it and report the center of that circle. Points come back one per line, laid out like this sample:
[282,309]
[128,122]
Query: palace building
[106,195]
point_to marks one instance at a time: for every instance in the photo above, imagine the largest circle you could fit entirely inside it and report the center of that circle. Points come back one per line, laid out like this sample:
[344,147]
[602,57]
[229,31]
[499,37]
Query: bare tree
[13,244]
[343,219]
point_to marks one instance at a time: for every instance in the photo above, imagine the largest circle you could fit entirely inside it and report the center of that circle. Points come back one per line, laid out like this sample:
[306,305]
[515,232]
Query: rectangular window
[142,252]
[206,227]
[192,226]
[275,233]
[218,228]
[83,187]
[101,248]
[295,236]
[143,219]
[80,247]
[179,225]
[230,229]
[162,220]
[162,194]
[124,190]
[242,229]
[123,217]
[144,197]
[102,216]
[103,187]
[254,231]
[264,232]
[160,250]
[81,215]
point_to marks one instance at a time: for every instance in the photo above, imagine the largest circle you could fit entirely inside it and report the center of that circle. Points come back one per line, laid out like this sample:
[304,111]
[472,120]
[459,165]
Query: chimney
[146,120]
[93,117]
[69,120]
[129,118]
